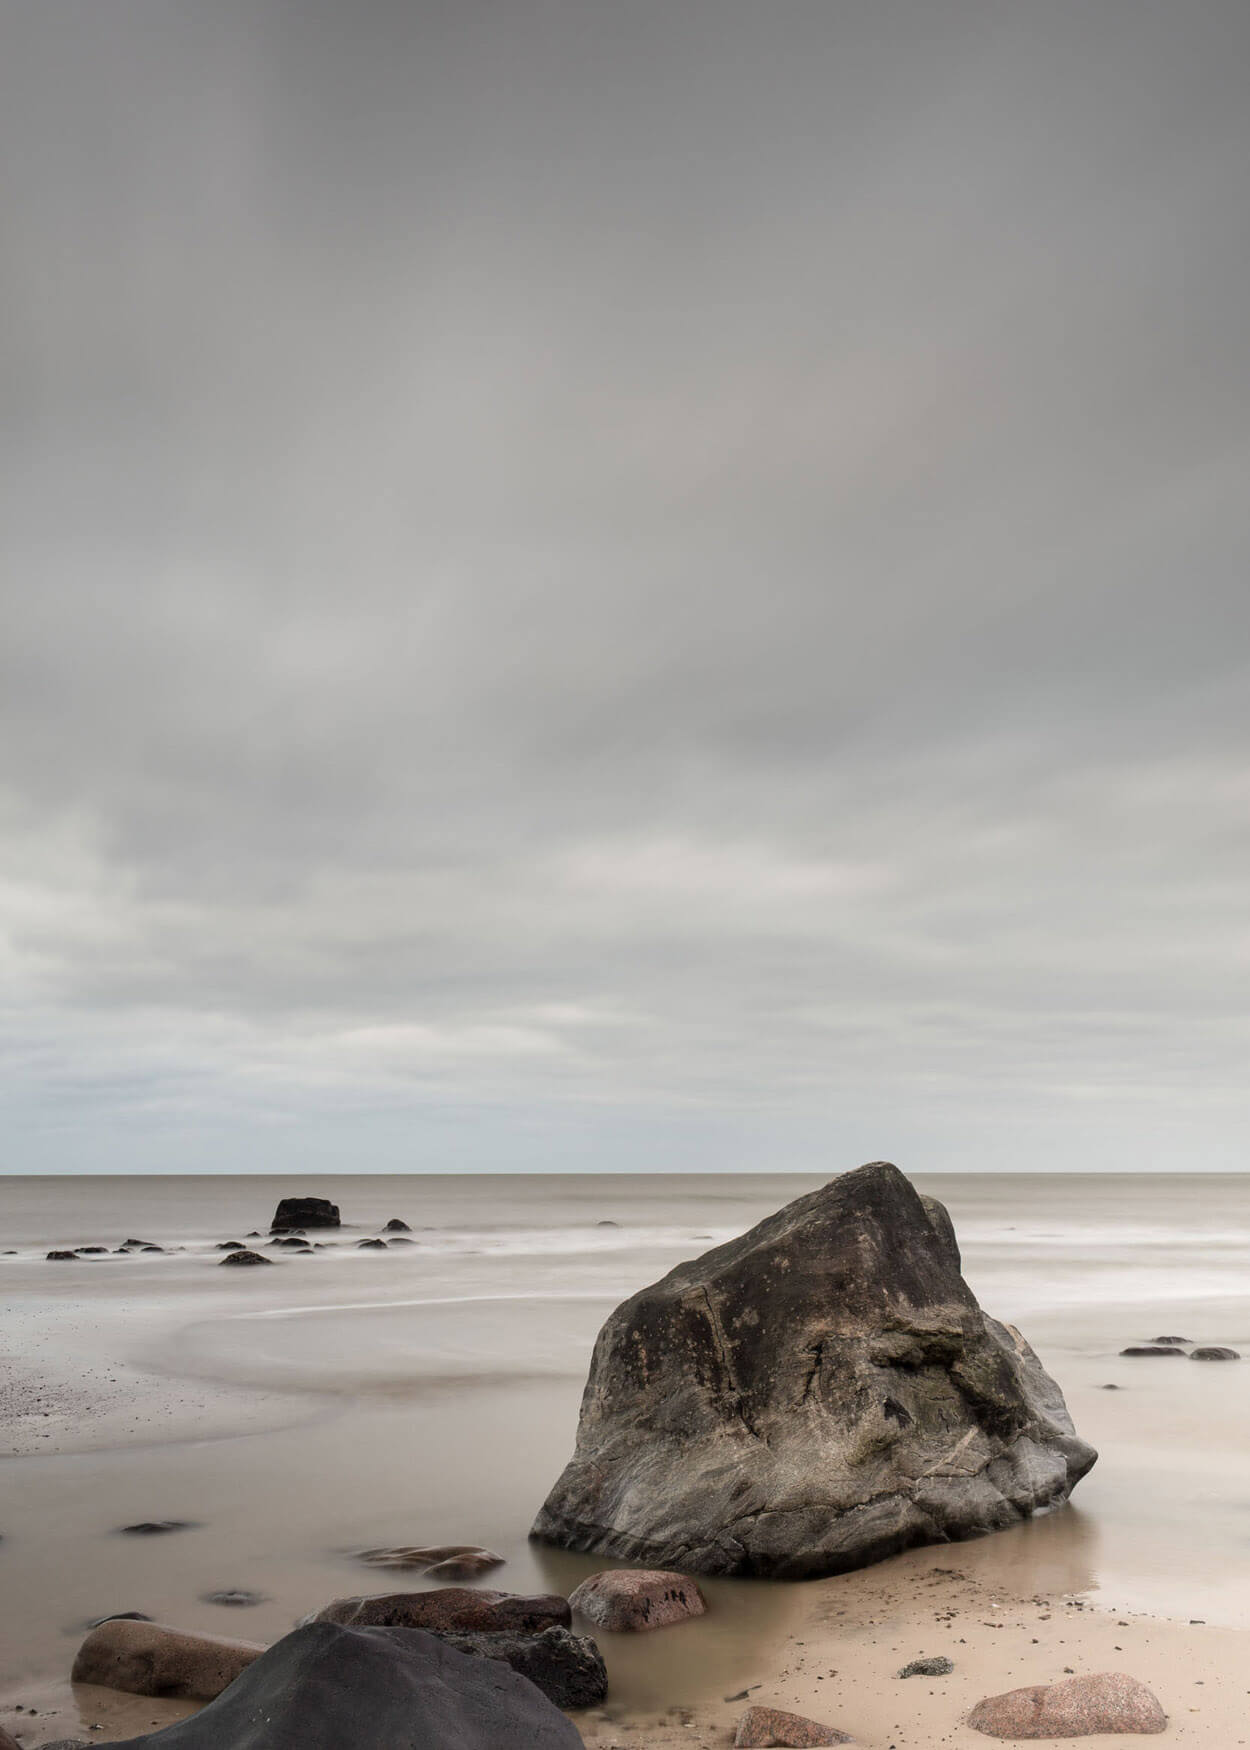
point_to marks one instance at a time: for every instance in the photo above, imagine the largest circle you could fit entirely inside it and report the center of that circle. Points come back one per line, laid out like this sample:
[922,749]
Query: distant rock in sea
[244,1258]
[305,1212]
[1214,1352]
[396,1226]
[812,1397]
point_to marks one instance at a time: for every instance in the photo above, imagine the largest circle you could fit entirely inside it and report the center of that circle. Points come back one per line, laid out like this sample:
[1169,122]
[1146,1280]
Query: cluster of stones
[1181,1346]
[288,1233]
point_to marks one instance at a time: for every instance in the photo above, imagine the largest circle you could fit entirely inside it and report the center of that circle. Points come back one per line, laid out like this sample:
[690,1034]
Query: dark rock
[632,1599]
[255,1234]
[325,1687]
[1079,1708]
[91,1251]
[137,1242]
[761,1727]
[66,1257]
[230,1246]
[396,1226]
[151,1248]
[156,1527]
[937,1667]
[1213,1352]
[118,1616]
[1152,1349]
[291,1244]
[1171,1339]
[401,1240]
[305,1212]
[568,1668]
[236,1600]
[608,1222]
[370,1245]
[809,1398]
[146,1658]
[452,1609]
[245,1258]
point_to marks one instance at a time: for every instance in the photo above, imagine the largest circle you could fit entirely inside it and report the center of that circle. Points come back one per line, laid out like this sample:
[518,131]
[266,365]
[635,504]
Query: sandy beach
[352,1399]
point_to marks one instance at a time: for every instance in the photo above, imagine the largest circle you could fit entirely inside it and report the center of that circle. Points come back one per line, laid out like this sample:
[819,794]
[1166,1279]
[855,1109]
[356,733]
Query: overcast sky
[636,585]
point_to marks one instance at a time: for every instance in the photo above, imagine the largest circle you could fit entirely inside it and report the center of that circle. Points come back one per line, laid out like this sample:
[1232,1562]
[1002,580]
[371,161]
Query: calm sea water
[430,1393]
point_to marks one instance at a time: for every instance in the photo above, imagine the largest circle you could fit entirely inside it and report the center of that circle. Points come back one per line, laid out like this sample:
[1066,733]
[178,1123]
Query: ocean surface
[429,1393]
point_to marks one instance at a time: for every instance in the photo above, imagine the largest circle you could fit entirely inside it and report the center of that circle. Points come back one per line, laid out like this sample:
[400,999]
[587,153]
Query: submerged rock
[371,1245]
[449,1561]
[396,1226]
[1153,1349]
[325,1687]
[156,1527]
[637,1598]
[62,1257]
[812,1397]
[762,1727]
[1213,1352]
[295,1212]
[1079,1708]
[146,1658]
[244,1258]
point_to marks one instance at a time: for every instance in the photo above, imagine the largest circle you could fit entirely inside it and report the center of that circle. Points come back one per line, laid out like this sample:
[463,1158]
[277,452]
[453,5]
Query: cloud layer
[645,586]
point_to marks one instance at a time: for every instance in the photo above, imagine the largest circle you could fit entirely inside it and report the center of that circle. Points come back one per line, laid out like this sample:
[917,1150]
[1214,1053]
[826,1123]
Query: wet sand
[351,1399]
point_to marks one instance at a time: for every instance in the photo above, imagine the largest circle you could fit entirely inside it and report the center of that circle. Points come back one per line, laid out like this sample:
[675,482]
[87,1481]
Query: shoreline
[836,1662]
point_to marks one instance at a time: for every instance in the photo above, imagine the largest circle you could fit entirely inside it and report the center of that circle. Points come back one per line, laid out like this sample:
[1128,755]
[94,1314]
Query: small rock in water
[371,1245]
[633,1599]
[1171,1339]
[230,1246]
[396,1226]
[608,1222]
[245,1258]
[939,1667]
[90,1251]
[1083,1706]
[1153,1349]
[66,1257]
[761,1727]
[472,1559]
[118,1616]
[155,1528]
[235,1599]
[1213,1352]
[401,1240]
[136,1242]
[151,1248]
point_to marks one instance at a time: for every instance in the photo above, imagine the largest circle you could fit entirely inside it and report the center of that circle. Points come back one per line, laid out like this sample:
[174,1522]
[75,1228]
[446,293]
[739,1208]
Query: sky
[636,586]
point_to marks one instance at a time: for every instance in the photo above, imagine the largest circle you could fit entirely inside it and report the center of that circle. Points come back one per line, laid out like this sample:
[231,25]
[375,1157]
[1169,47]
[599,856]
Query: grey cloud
[581,578]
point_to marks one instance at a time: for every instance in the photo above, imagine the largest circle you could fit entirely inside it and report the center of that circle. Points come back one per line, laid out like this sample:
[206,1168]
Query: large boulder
[305,1212]
[1108,1701]
[146,1658]
[809,1398]
[325,1686]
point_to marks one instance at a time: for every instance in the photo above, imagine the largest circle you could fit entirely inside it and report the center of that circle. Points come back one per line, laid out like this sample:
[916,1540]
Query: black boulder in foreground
[325,1687]
[810,1398]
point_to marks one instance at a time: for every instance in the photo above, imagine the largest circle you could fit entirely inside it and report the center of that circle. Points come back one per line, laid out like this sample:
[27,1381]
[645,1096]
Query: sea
[428,1393]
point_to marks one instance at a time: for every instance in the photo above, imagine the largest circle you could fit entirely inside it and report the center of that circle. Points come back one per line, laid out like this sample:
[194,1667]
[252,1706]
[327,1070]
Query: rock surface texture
[568,1668]
[453,1609]
[145,1658]
[1082,1707]
[325,1687]
[632,1599]
[812,1397]
[761,1727]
